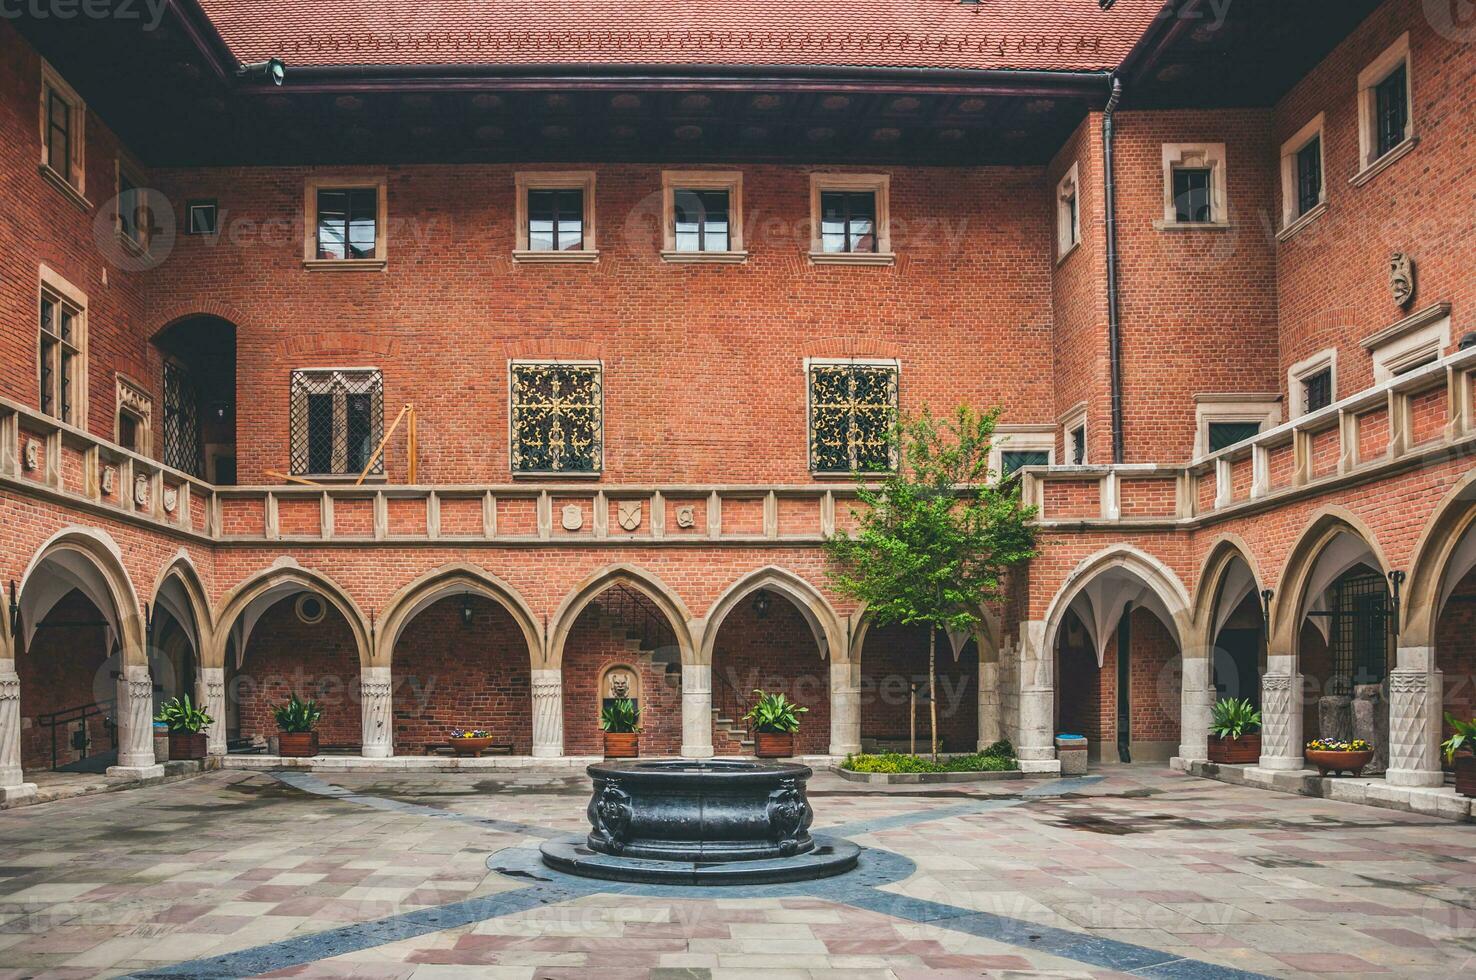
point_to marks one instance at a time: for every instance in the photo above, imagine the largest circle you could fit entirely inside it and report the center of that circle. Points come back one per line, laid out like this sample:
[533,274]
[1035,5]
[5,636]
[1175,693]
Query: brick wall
[284,656]
[778,654]
[449,675]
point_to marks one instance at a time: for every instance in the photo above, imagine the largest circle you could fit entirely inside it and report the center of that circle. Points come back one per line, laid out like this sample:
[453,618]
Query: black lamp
[761,603]
[466,611]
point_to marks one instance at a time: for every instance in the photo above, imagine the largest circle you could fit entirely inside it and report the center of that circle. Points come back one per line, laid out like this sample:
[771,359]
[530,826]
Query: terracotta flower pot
[297,745]
[1240,751]
[1465,774]
[1328,763]
[773,745]
[187,745]
[473,747]
[622,745]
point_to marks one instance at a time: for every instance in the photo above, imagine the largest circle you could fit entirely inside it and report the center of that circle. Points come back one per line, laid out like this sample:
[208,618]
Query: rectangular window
[1391,109]
[183,446]
[1317,390]
[1192,198]
[1225,434]
[59,133]
[848,221]
[1079,446]
[701,220]
[557,417]
[556,220]
[202,217]
[60,357]
[853,408]
[1309,176]
[347,222]
[1011,461]
[337,421]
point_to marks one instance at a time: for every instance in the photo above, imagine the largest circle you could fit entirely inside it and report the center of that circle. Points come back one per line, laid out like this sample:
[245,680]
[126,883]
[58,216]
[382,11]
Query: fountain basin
[710,821]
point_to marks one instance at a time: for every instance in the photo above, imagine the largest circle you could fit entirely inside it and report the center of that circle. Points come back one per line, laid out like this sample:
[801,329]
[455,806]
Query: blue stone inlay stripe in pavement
[896,821]
[309,783]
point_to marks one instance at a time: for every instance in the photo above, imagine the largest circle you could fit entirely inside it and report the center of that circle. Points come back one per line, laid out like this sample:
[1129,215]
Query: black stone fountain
[707,822]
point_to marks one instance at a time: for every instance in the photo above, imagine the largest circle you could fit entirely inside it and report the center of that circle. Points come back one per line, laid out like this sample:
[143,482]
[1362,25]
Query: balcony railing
[1421,416]
[1413,418]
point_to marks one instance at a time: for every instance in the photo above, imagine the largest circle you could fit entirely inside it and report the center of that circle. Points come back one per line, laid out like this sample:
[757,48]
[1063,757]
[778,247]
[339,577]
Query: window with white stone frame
[1068,213]
[1415,341]
[1195,192]
[336,422]
[1312,383]
[1018,446]
[1074,436]
[1303,187]
[63,135]
[850,219]
[61,356]
[554,217]
[1224,419]
[1385,110]
[852,412]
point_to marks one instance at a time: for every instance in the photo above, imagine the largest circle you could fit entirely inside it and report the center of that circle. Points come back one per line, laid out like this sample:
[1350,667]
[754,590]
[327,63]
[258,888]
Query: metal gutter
[1114,325]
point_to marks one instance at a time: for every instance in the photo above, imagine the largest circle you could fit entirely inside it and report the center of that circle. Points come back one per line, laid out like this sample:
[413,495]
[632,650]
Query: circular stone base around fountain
[700,822]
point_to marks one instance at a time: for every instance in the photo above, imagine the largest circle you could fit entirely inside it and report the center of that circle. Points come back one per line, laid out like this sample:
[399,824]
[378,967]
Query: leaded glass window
[1391,109]
[337,421]
[1309,176]
[853,409]
[183,448]
[1011,461]
[1317,390]
[557,418]
[1222,435]
[60,357]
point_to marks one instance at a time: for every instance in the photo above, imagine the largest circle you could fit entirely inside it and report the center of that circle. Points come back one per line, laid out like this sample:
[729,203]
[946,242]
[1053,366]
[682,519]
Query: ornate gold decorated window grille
[853,408]
[557,418]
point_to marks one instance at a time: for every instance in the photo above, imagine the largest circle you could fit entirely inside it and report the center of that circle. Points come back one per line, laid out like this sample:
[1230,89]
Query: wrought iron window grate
[557,418]
[1360,634]
[337,421]
[853,409]
[182,443]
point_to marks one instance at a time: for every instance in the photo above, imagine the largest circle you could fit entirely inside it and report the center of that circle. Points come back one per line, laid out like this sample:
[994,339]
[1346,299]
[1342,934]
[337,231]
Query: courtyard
[1132,870]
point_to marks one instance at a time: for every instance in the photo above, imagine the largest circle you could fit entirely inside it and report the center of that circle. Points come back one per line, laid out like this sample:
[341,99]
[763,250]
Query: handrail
[79,713]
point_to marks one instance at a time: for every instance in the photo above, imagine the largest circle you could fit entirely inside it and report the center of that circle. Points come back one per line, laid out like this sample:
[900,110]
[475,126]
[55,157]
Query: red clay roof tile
[1061,35]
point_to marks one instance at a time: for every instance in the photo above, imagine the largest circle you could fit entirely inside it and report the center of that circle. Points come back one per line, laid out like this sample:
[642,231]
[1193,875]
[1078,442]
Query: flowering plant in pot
[187,724]
[297,720]
[470,741]
[621,722]
[1330,755]
[775,719]
[1235,727]
[1460,752]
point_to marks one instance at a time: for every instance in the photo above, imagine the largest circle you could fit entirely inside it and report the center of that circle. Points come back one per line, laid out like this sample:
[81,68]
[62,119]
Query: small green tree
[933,542]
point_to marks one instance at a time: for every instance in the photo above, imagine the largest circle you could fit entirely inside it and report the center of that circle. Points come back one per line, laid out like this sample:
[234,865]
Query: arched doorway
[287,634]
[72,649]
[198,390]
[894,686]
[764,642]
[1236,630]
[1115,636]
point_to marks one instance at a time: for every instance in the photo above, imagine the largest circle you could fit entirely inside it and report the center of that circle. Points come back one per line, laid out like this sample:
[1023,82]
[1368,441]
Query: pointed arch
[985,635]
[813,606]
[670,604]
[1304,568]
[1445,552]
[454,579]
[1219,576]
[86,559]
[280,581]
[197,607]
[1166,595]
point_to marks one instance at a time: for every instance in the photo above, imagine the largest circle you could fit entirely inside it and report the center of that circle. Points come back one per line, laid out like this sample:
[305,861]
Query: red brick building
[622,295]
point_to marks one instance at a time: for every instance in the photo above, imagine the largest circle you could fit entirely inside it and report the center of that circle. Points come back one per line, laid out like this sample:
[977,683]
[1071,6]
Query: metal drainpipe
[1114,327]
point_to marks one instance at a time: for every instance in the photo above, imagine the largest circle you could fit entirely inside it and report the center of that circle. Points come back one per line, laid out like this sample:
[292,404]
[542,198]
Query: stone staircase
[727,733]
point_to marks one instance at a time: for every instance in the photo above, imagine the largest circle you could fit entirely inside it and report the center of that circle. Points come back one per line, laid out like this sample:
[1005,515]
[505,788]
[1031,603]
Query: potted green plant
[1460,752]
[1330,756]
[775,719]
[1235,729]
[187,724]
[621,722]
[297,720]
[470,741]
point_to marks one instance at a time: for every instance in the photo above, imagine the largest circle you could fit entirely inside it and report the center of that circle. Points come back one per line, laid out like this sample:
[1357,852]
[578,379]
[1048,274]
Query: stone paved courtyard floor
[1135,871]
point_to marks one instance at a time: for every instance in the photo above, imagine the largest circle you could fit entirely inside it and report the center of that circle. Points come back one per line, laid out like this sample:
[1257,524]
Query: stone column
[1416,700]
[134,715]
[13,786]
[1037,743]
[1196,705]
[989,728]
[1281,714]
[845,707]
[548,713]
[211,697]
[376,695]
[696,711]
